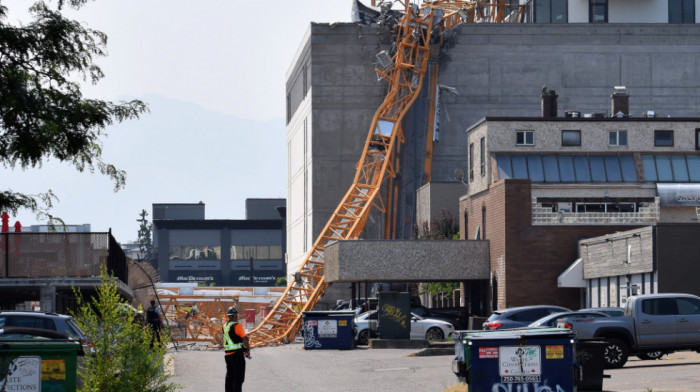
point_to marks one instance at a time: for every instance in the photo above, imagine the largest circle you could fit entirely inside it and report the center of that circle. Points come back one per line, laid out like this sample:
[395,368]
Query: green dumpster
[39,365]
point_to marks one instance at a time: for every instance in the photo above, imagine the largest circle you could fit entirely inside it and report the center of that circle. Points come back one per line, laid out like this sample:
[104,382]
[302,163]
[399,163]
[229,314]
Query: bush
[122,360]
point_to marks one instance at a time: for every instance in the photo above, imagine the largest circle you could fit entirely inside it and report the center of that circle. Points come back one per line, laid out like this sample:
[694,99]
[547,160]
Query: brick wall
[525,260]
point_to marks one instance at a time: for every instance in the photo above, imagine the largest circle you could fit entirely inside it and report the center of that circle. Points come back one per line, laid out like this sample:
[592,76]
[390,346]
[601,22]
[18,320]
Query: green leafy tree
[145,237]
[43,113]
[123,360]
[441,228]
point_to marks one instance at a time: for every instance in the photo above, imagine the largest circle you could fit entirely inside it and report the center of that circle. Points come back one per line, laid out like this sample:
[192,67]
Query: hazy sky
[214,74]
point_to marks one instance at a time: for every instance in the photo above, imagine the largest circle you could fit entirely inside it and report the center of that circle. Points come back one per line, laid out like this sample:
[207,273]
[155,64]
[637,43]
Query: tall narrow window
[598,11]
[471,162]
[697,139]
[289,108]
[482,156]
[681,11]
[466,225]
[483,222]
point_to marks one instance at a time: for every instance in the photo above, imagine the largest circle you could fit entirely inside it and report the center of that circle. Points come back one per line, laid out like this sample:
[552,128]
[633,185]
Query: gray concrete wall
[404,261]
[607,255]
[498,70]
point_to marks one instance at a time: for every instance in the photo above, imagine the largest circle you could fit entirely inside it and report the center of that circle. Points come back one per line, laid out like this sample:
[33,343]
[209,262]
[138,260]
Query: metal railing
[60,255]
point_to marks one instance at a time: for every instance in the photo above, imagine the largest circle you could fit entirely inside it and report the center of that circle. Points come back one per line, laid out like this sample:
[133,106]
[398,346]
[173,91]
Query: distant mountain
[177,153]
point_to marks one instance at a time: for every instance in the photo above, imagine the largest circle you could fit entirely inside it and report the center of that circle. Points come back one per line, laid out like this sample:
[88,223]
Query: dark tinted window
[681,11]
[529,315]
[688,305]
[598,11]
[30,322]
[663,138]
[570,138]
[659,306]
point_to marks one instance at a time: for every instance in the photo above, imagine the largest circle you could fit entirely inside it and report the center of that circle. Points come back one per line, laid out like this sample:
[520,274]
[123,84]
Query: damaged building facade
[482,70]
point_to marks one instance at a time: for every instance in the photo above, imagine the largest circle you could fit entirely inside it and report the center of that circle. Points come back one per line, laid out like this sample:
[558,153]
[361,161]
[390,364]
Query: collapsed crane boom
[404,74]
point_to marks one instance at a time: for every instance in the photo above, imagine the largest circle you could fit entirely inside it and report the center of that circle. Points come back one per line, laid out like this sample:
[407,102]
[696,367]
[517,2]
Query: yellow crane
[404,72]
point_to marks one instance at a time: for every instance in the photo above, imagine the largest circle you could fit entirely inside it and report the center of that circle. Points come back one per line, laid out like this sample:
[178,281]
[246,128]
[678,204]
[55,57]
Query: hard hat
[232,310]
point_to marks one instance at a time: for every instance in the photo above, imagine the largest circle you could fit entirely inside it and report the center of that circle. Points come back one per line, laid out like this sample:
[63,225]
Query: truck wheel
[648,355]
[615,354]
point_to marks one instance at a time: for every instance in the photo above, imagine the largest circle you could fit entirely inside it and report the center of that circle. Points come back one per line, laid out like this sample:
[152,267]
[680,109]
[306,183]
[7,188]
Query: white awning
[573,276]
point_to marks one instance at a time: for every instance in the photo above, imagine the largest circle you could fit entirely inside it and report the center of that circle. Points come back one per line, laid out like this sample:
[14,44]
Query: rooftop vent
[649,114]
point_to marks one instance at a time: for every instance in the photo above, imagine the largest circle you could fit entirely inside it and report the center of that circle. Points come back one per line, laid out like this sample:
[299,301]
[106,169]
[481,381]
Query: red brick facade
[525,260]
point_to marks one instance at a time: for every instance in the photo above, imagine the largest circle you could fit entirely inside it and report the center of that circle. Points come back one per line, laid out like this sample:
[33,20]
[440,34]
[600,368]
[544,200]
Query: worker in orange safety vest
[236,348]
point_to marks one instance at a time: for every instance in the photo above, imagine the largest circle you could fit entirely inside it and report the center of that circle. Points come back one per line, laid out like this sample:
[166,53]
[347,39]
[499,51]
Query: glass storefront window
[260,252]
[195,252]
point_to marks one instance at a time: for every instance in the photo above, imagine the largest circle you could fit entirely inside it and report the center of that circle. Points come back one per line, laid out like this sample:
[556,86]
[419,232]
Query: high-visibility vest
[232,343]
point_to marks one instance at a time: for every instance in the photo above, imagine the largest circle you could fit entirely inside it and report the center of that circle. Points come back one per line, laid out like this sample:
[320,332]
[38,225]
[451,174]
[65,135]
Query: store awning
[573,276]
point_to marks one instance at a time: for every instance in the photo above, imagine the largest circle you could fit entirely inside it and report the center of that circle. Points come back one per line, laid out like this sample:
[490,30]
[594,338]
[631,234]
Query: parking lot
[291,368]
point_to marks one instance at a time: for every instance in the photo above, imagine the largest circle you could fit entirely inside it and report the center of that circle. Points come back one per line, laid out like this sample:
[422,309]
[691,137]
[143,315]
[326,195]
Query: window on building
[259,252]
[289,108]
[671,168]
[598,11]
[618,138]
[681,11]
[570,138]
[697,139]
[569,167]
[663,138]
[482,155]
[524,138]
[483,222]
[551,11]
[195,252]
[471,162]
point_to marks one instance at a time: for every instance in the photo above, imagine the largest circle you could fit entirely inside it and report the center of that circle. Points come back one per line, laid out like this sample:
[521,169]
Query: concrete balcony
[647,214]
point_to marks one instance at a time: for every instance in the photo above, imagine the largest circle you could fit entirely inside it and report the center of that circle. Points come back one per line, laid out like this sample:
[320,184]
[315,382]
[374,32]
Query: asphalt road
[290,368]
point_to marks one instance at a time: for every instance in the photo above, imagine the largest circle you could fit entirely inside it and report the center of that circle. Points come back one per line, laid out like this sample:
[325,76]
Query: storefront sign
[679,194]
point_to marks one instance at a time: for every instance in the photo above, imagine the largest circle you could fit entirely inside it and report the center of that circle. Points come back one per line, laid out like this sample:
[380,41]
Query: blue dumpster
[334,329]
[518,360]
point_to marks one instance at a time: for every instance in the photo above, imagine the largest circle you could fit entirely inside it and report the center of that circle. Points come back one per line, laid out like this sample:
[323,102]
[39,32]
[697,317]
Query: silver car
[421,328]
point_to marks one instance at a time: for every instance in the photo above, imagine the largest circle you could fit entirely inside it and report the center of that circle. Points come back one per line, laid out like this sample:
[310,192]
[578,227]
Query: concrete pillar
[47,298]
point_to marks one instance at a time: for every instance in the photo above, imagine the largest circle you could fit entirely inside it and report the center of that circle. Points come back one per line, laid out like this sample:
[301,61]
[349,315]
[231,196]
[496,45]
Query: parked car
[615,312]
[421,328]
[653,325]
[450,315]
[550,321]
[46,320]
[520,316]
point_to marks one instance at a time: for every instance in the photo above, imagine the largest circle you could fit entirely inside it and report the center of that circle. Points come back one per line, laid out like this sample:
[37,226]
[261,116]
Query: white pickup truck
[653,325]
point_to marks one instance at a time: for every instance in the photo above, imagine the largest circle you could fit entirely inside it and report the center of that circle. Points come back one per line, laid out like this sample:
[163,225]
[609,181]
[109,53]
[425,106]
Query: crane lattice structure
[419,26]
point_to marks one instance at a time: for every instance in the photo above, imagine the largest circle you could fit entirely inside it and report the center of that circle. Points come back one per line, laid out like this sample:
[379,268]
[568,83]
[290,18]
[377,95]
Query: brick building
[539,185]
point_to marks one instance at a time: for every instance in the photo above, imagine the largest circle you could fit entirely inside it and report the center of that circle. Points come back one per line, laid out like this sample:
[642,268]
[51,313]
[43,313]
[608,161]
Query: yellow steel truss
[405,78]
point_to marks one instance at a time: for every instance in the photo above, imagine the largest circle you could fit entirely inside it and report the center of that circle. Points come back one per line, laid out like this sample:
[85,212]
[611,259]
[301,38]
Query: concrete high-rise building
[483,70]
